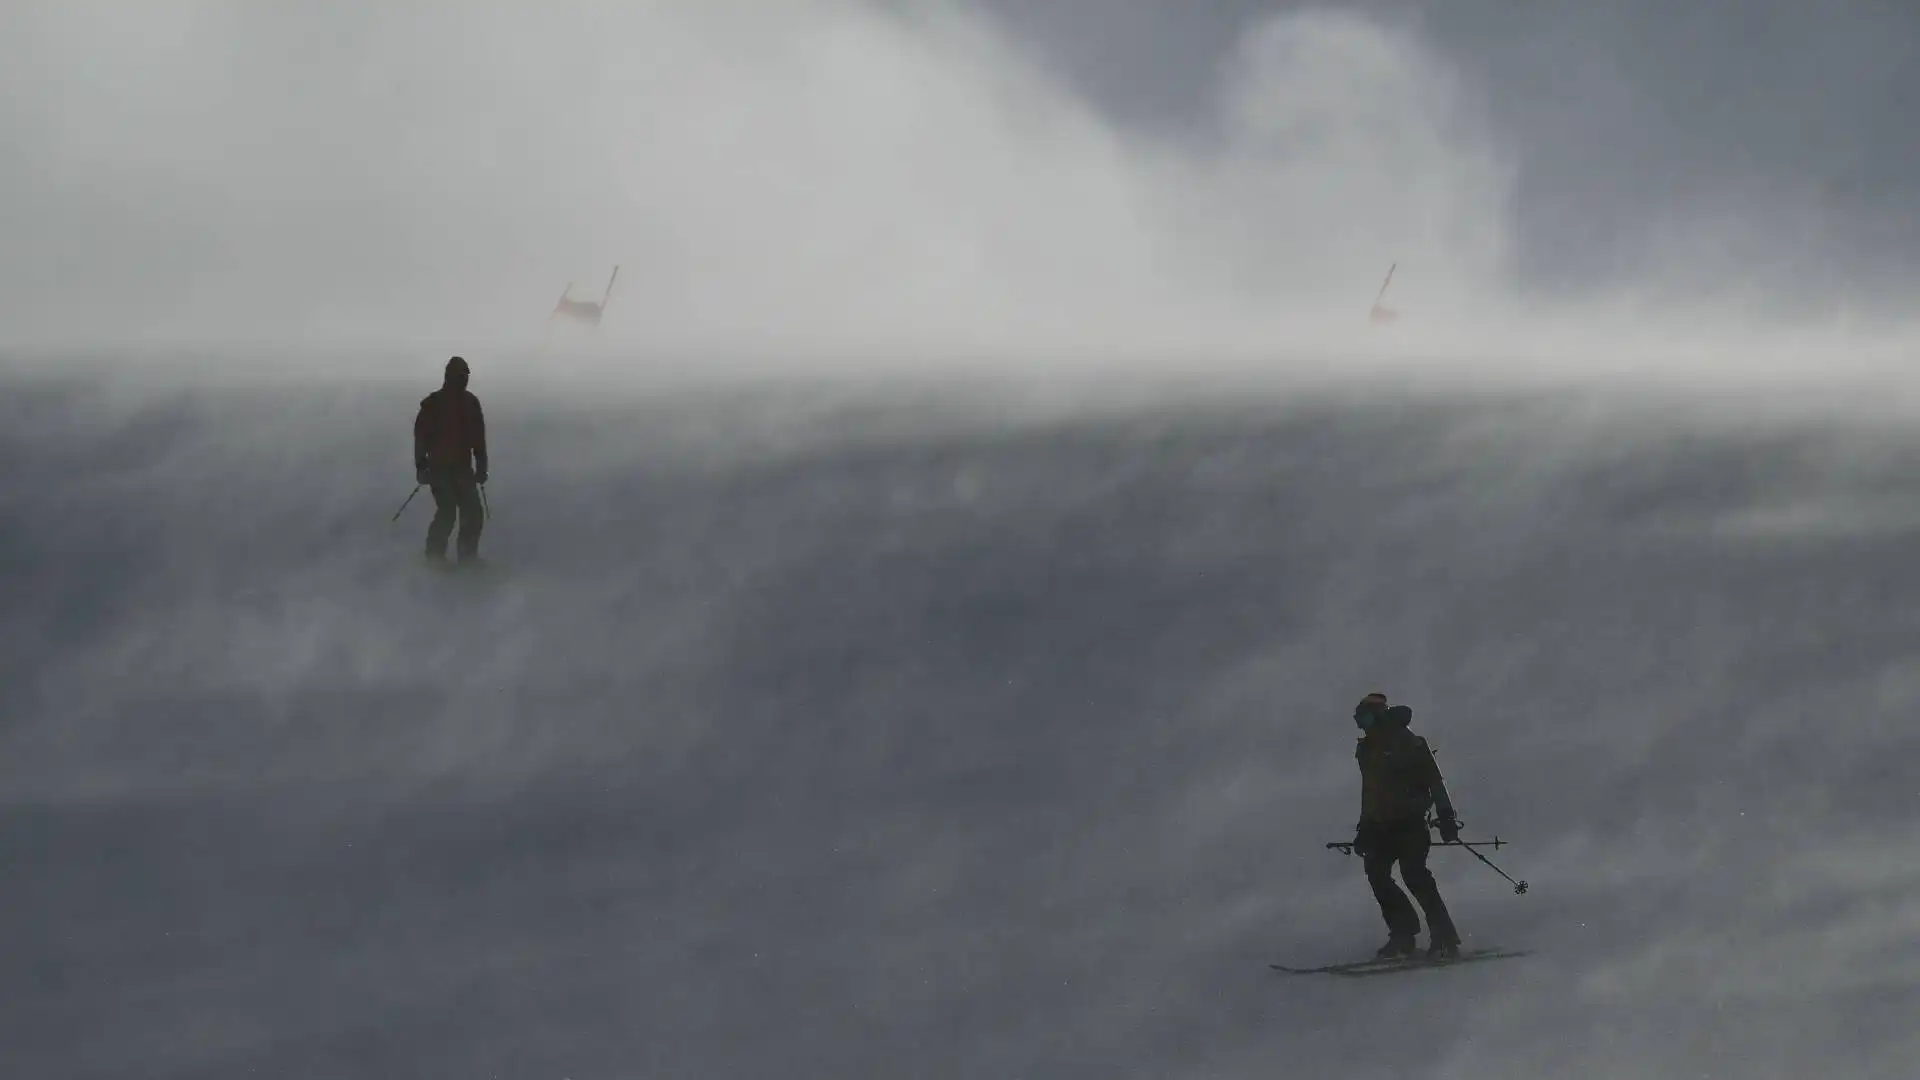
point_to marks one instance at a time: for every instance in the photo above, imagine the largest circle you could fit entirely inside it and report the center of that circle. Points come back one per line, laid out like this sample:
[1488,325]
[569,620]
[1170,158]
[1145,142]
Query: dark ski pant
[455,496]
[1406,843]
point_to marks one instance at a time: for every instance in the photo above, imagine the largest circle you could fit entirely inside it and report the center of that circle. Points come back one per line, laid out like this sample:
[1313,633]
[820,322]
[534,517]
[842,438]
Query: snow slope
[937,732]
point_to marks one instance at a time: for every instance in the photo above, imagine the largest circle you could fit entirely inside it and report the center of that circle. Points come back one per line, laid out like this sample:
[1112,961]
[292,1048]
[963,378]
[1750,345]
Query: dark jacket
[1399,780]
[450,430]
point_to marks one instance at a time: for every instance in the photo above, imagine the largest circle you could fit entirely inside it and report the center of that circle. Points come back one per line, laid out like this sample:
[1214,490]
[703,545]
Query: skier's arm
[420,438]
[1362,815]
[1442,802]
[479,437]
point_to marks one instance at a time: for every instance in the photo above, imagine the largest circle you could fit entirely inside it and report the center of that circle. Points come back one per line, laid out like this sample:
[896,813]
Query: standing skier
[1399,781]
[450,456]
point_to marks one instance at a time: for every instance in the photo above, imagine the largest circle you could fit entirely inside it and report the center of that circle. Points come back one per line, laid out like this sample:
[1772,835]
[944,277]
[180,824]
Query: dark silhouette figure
[450,456]
[1399,782]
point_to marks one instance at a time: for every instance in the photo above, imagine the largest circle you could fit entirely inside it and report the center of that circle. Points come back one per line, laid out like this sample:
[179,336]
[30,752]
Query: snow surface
[814,733]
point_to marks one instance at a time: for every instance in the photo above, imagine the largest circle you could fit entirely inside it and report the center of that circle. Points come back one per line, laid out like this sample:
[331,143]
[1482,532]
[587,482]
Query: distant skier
[1399,781]
[450,456]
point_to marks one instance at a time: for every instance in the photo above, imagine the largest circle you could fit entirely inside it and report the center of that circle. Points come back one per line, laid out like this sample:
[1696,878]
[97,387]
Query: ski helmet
[1369,711]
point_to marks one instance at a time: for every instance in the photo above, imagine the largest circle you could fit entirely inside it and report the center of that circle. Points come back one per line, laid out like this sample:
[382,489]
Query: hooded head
[1371,712]
[457,374]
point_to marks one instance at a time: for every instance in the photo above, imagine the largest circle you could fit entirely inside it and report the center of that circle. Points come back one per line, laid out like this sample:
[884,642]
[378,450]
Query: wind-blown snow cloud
[877,736]
[831,735]
[802,178]
[838,182]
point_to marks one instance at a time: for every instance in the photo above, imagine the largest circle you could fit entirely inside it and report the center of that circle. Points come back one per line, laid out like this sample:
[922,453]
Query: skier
[450,456]
[1399,781]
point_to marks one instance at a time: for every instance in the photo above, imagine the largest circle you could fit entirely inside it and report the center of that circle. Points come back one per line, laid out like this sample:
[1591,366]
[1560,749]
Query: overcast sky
[824,173]
[1620,112]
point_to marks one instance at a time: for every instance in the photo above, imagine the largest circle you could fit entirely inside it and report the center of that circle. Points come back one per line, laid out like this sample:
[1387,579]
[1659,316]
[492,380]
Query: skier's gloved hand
[1360,845]
[1449,830]
[420,474]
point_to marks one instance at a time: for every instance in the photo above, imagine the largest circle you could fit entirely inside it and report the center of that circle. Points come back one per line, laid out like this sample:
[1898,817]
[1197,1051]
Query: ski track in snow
[822,733]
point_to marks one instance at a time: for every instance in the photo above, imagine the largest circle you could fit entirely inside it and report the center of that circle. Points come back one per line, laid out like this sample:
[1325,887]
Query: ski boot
[1443,950]
[1397,947]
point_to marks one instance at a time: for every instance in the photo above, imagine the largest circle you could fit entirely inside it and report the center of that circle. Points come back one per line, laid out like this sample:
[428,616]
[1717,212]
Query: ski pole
[403,506]
[1519,887]
[485,510]
[1345,847]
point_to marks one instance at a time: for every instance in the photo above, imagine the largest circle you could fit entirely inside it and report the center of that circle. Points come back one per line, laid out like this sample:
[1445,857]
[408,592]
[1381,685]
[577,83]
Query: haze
[922,626]
[829,180]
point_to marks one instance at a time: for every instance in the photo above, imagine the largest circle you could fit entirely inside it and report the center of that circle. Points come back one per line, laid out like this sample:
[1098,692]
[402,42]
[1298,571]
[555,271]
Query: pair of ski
[1398,964]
